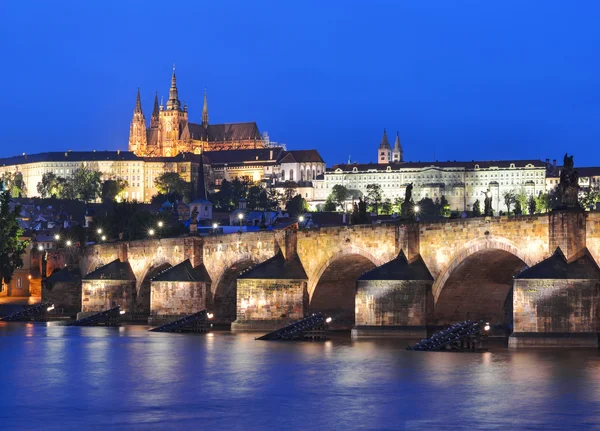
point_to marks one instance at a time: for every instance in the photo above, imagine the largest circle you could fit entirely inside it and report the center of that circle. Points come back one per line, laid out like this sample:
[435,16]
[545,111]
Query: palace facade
[461,183]
[171,132]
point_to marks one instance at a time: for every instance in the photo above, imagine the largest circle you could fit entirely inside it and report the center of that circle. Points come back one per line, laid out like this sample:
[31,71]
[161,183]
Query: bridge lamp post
[99,231]
[57,237]
[241,217]
[417,209]
[68,243]
[40,247]
[151,232]
[215,226]
[160,225]
[103,238]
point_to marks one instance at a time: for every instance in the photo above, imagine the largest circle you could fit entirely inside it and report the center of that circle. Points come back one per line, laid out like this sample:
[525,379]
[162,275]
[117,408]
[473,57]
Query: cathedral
[170,132]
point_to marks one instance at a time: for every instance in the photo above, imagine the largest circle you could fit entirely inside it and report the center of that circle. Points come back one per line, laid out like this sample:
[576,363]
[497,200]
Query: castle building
[461,183]
[171,132]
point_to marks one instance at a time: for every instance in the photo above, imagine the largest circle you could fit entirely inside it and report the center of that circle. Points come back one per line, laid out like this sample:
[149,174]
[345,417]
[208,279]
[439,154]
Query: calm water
[126,378]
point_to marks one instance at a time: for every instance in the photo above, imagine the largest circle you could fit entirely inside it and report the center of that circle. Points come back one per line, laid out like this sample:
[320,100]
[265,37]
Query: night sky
[460,80]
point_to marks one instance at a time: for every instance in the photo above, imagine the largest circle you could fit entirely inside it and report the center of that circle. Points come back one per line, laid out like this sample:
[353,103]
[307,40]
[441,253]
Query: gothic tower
[171,120]
[137,130]
[155,115]
[397,153]
[384,154]
[205,112]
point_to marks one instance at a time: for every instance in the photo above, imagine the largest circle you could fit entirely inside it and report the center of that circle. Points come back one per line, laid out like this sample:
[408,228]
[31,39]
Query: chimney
[547,161]
[554,163]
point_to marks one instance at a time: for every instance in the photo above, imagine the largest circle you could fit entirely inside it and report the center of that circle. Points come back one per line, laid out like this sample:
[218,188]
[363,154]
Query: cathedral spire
[155,112]
[173,104]
[384,141]
[384,153]
[138,103]
[205,111]
[397,153]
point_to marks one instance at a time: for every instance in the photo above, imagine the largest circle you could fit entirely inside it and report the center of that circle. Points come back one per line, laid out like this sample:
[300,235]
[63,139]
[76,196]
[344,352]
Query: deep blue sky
[459,79]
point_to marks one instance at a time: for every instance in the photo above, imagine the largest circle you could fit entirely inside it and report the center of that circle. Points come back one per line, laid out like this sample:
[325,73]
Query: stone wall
[567,231]
[65,295]
[555,306]
[177,298]
[100,295]
[392,302]
[592,227]
[268,304]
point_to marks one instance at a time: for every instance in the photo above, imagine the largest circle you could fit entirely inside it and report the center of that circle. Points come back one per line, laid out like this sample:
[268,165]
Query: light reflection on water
[56,377]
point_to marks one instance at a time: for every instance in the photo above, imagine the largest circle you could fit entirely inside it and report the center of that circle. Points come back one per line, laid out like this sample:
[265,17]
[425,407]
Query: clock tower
[171,121]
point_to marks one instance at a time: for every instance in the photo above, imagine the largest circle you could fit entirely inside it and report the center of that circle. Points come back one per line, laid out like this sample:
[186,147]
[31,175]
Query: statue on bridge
[568,187]
[487,204]
[407,206]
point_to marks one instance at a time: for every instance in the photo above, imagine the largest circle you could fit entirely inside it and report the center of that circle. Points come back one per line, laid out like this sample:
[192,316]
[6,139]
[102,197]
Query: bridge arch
[332,290]
[151,270]
[224,287]
[477,283]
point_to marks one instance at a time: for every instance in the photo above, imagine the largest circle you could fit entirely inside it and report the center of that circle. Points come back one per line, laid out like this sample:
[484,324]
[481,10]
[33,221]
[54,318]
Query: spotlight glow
[328,320]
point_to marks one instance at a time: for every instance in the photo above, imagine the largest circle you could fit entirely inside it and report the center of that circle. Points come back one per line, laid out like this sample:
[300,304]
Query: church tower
[397,153]
[137,130]
[155,115]
[384,154]
[171,120]
[205,112]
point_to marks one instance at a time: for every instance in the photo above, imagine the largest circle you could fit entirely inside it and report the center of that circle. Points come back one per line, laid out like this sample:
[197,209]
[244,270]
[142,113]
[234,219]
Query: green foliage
[257,197]
[476,208]
[531,205]
[444,207]
[48,187]
[172,186]
[339,195]
[113,188]
[509,199]
[428,207]
[374,197]
[521,200]
[386,207]
[329,205]
[14,184]
[296,206]
[397,205]
[543,203]
[518,209]
[589,198]
[87,184]
[11,247]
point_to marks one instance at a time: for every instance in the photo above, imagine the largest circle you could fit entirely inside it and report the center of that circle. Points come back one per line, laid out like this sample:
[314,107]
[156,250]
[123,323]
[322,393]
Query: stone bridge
[378,279]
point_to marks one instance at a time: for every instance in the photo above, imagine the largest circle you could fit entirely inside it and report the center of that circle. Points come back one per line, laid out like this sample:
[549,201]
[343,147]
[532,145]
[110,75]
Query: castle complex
[171,132]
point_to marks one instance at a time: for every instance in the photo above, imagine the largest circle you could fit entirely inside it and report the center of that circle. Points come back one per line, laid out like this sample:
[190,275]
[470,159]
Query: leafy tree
[386,207]
[171,185]
[521,199]
[14,184]
[518,209]
[589,198]
[339,195]
[428,207]
[374,197]
[253,198]
[87,183]
[329,205]
[531,204]
[296,206]
[113,188]
[476,208]
[397,205]
[509,198]
[66,188]
[359,214]
[11,247]
[543,203]
[444,207]
[48,187]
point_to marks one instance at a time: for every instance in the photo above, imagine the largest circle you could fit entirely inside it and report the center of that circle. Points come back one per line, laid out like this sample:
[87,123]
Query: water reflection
[55,377]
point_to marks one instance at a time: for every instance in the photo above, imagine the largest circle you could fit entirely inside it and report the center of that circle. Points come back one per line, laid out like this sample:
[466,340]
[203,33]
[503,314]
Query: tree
[521,199]
[339,195]
[14,184]
[113,188]
[48,187]
[589,198]
[11,247]
[543,203]
[397,205]
[518,209]
[87,184]
[386,207]
[253,199]
[509,199]
[476,208]
[66,188]
[531,205]
[172,186]
[428,207]
[444,207]
[374,197]
[329,205]
[296,206]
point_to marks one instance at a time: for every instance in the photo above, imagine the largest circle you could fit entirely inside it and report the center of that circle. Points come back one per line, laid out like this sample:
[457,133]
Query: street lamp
[69,243]
[40,247]
[301,219]
[57,237]
[241,217]
[151,232]
[103,238]
[160,223]
[99,231]
[417,209]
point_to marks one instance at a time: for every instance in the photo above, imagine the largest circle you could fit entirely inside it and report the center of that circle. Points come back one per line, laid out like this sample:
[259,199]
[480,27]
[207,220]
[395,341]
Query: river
[58,378]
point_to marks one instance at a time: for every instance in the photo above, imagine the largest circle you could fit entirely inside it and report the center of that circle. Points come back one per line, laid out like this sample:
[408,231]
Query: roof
[243,156]
[278,267]
[301,156]
[63,276]
[588,172]
[449,164]
[116,270]
[556,266]
[71,156]
[221,132]
[400,269]
[184,272]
